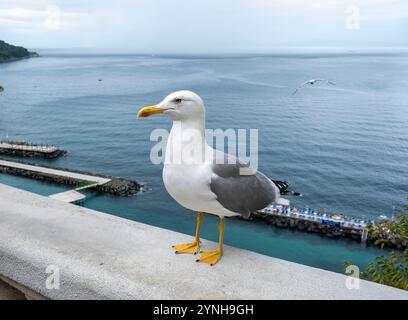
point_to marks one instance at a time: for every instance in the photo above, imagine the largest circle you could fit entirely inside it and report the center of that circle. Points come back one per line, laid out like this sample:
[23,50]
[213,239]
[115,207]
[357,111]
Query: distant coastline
[9,52]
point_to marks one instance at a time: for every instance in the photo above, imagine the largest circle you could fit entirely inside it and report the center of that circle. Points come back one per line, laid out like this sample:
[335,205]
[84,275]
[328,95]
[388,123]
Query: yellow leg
[213,256]
[193,247]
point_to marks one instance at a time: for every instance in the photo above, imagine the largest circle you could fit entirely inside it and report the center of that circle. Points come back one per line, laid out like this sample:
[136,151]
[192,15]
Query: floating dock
[25,149]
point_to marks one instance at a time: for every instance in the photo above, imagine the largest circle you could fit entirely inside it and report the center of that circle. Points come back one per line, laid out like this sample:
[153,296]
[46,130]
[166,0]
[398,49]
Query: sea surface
[345,147]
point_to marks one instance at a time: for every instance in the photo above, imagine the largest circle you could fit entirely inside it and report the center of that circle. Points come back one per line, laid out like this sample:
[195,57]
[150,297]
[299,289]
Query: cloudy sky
[182,26]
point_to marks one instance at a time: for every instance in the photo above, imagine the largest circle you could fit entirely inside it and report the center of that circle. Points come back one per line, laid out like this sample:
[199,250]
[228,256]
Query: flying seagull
[207,180]
[312,82]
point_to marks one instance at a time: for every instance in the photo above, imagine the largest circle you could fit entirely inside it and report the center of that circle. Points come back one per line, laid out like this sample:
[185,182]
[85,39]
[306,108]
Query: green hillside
[9,52]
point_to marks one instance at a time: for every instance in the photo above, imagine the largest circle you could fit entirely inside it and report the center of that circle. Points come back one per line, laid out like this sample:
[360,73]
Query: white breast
[189,183]
[190,187]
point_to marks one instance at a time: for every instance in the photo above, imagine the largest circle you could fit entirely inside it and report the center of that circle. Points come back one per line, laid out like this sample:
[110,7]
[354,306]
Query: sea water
[343,146]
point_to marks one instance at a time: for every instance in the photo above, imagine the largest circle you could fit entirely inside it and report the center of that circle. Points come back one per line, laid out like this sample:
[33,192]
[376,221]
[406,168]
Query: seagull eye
[177,100]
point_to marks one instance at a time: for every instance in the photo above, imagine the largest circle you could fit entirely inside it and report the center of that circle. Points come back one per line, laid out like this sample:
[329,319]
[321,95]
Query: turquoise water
[344,147]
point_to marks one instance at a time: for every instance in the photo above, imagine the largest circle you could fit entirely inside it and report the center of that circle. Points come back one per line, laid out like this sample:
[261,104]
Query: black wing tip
[283,188]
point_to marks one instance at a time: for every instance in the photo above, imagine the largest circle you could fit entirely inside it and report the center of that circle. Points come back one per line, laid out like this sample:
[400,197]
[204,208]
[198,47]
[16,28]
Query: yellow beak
[149,111]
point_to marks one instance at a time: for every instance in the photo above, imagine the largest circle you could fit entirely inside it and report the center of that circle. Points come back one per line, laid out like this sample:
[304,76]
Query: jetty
[25,149]
[79,180]
[310,220]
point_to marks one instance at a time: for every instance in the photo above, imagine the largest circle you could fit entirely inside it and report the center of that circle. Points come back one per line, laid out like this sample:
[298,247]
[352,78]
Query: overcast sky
[183,26]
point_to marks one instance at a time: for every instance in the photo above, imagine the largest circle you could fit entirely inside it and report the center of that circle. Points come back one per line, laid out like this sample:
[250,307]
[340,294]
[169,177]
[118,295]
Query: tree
[391,269]
[388,232]
[10,52]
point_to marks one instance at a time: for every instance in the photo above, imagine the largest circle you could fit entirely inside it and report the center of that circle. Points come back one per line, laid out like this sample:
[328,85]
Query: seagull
[1,89]
[206,180]
[312,82]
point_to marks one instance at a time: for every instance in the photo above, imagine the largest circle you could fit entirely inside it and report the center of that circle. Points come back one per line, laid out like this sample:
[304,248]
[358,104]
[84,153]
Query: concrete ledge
[101,256]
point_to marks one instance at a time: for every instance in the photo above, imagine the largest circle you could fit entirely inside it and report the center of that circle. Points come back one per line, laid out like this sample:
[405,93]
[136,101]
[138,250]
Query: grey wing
[242,194]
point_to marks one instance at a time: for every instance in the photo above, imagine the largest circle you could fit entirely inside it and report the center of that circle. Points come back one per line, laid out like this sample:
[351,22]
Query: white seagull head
[179,105]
